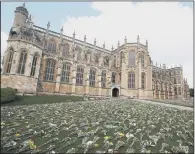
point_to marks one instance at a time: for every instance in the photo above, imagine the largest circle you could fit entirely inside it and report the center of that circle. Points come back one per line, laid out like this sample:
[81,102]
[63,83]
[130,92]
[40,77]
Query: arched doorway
[115,92]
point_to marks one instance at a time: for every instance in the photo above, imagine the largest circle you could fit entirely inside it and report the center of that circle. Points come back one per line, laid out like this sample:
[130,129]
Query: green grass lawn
[30,100]
[95,126]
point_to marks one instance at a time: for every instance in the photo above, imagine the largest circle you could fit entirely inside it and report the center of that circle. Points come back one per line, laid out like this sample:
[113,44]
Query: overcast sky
[168,26]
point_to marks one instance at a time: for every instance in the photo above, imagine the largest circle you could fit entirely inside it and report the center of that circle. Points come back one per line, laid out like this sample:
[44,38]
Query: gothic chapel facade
[38,60]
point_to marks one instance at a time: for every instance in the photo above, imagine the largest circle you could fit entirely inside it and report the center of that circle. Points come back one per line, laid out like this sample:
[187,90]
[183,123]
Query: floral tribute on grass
[109,126]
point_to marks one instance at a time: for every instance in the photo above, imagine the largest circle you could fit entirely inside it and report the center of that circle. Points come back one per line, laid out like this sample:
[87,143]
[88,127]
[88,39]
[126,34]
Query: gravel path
[167,105]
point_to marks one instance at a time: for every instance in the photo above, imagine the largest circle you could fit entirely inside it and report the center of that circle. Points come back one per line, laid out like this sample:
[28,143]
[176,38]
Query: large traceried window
[22,62]
[79,75]
[131,58]
[143,80]
[113,79]
[142,60]
[34,63]
[65,76]
[92,77]
[131,80]
[10,59]
[103,79]
[50,69]
[52,46]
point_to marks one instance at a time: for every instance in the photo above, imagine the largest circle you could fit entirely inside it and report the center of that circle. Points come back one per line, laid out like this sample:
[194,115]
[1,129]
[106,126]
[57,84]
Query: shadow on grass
[30,100]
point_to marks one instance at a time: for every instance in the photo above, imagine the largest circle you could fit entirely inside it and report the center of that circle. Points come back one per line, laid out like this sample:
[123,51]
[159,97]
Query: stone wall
[23,84]
[65,88]
[80,90]
[93,90]
[48,87]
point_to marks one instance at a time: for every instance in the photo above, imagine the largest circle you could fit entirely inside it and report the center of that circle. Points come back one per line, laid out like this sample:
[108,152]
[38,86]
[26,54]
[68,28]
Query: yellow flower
[121,134]
[31,144]
[2,124]
[111,143]
[96,145]
[107,137]
[17,135]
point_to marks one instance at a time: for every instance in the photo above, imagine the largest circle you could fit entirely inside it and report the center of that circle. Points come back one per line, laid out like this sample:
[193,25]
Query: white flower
[129,135]
[52,125]
[89,143]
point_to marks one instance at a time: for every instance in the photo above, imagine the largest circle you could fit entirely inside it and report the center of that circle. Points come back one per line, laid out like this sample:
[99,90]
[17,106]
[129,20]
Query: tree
[191,92]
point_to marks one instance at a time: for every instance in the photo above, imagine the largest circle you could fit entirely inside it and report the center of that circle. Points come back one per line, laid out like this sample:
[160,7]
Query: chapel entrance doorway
[115,92]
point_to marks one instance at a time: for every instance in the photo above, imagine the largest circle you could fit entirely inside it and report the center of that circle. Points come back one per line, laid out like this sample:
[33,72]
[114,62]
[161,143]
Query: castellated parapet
[38,60]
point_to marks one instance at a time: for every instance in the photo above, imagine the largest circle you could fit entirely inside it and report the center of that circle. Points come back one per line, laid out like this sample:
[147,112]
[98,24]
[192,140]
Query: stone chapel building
[38,60]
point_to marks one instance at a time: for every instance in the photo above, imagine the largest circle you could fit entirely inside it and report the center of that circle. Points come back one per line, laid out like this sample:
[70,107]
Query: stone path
[167,105]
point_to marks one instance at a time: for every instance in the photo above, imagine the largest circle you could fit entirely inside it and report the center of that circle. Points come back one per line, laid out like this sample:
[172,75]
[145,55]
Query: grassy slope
[30,100]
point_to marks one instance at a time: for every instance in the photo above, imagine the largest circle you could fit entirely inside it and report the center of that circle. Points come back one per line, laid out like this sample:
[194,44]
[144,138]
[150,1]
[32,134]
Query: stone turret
[21,16]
